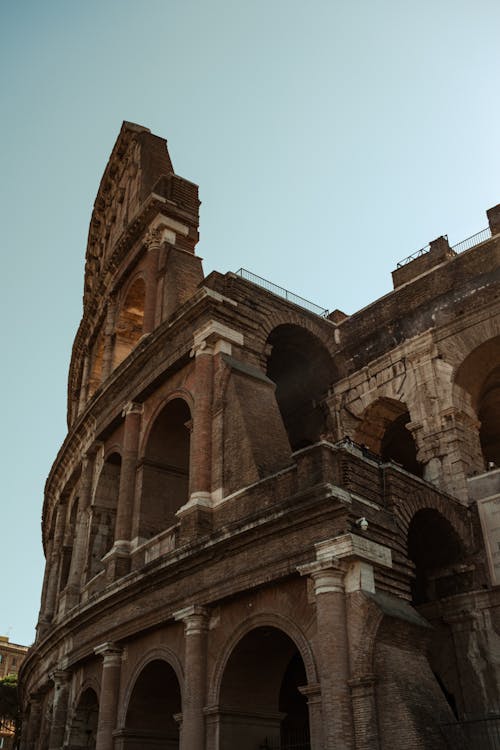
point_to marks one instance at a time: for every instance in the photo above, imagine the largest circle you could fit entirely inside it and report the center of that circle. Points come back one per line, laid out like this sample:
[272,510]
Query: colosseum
[269,526]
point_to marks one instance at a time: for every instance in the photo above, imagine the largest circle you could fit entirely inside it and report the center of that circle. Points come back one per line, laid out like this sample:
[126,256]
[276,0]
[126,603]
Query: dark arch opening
[434,546]
[164,470]
[102,527]
[302,369]
[261,705]
[83,730]
[153,710]
[130,321]
[479,375]
[384,431]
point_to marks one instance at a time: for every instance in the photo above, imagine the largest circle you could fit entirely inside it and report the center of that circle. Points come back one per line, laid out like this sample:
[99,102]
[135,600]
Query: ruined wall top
[138,169]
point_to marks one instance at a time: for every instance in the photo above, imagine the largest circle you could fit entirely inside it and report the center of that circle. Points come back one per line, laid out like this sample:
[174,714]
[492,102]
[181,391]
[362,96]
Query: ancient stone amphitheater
[269,526]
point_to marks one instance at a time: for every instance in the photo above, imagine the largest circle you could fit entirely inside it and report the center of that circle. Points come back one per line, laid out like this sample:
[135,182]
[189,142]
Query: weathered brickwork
[267,528]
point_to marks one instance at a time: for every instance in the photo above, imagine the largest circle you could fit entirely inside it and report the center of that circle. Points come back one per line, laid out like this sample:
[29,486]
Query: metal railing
[282,292]
[460,247]
[473,240]
[298,740]
[473,734]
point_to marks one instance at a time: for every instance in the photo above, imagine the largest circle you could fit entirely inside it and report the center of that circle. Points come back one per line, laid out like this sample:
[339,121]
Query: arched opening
[130,321]
[164,470]
[68,544]
[434,547]
[302,369]
[384,431]
[153,709]
[84,724]
[479,376]
[96,360]
[261,705]
[437,553]
[102,526]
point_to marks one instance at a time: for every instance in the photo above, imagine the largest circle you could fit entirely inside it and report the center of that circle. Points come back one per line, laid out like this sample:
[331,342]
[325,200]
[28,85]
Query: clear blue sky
[329,139]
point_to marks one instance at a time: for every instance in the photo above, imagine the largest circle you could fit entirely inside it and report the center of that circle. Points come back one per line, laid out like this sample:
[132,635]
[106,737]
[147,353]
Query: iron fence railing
[473,734]
[460,247]
[282,292]
[298,740]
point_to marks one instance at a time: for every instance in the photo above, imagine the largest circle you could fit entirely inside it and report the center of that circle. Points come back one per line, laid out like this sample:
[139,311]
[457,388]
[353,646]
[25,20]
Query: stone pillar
[53,564]
[154,242]
[61,679]
[109,331]
[201,445]
[110,688]
[313,695]
[83,385]
[332,654]
[364,710]
[78,557]
[119,562]
[31,732]
[195,668]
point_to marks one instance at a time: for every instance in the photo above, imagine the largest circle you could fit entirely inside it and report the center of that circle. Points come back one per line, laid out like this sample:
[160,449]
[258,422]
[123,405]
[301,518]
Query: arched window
[153,710]
[384,431]
[262,682]
[102,527]
[164,469]
[130,321]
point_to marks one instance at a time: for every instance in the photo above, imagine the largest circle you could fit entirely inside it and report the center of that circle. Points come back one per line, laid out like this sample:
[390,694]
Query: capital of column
[327,574]
[132,407]
[111,653]
[60,677]
[215,337]
[362,685]
[195,619]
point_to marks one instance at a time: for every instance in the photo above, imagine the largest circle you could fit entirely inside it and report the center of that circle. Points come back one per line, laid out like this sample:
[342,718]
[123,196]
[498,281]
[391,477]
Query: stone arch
[432,545]
[259,697]
[129,319]
[477,386]
[272,620]
[302,368]
[84,719]
[457,515]
[383,429]
[164,468]
[321,329]
[103,508]
[181,393]
[162,653]
[153,707]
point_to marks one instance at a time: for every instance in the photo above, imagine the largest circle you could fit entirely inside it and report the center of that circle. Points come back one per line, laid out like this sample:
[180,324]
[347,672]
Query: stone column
[53,564]
[61,679]
[83,385]
[119,562]
[110,688]
[201,445]
[78,557]
[333,653]
[153,241]
[109,330]
[31,732]
[313,695]
[195,667]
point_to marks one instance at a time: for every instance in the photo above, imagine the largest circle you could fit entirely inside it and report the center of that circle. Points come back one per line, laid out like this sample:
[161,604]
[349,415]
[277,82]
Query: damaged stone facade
[268,528]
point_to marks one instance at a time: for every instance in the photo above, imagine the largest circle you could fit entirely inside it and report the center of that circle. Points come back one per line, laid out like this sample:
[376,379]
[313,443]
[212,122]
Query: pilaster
[195,621]
[110,689]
